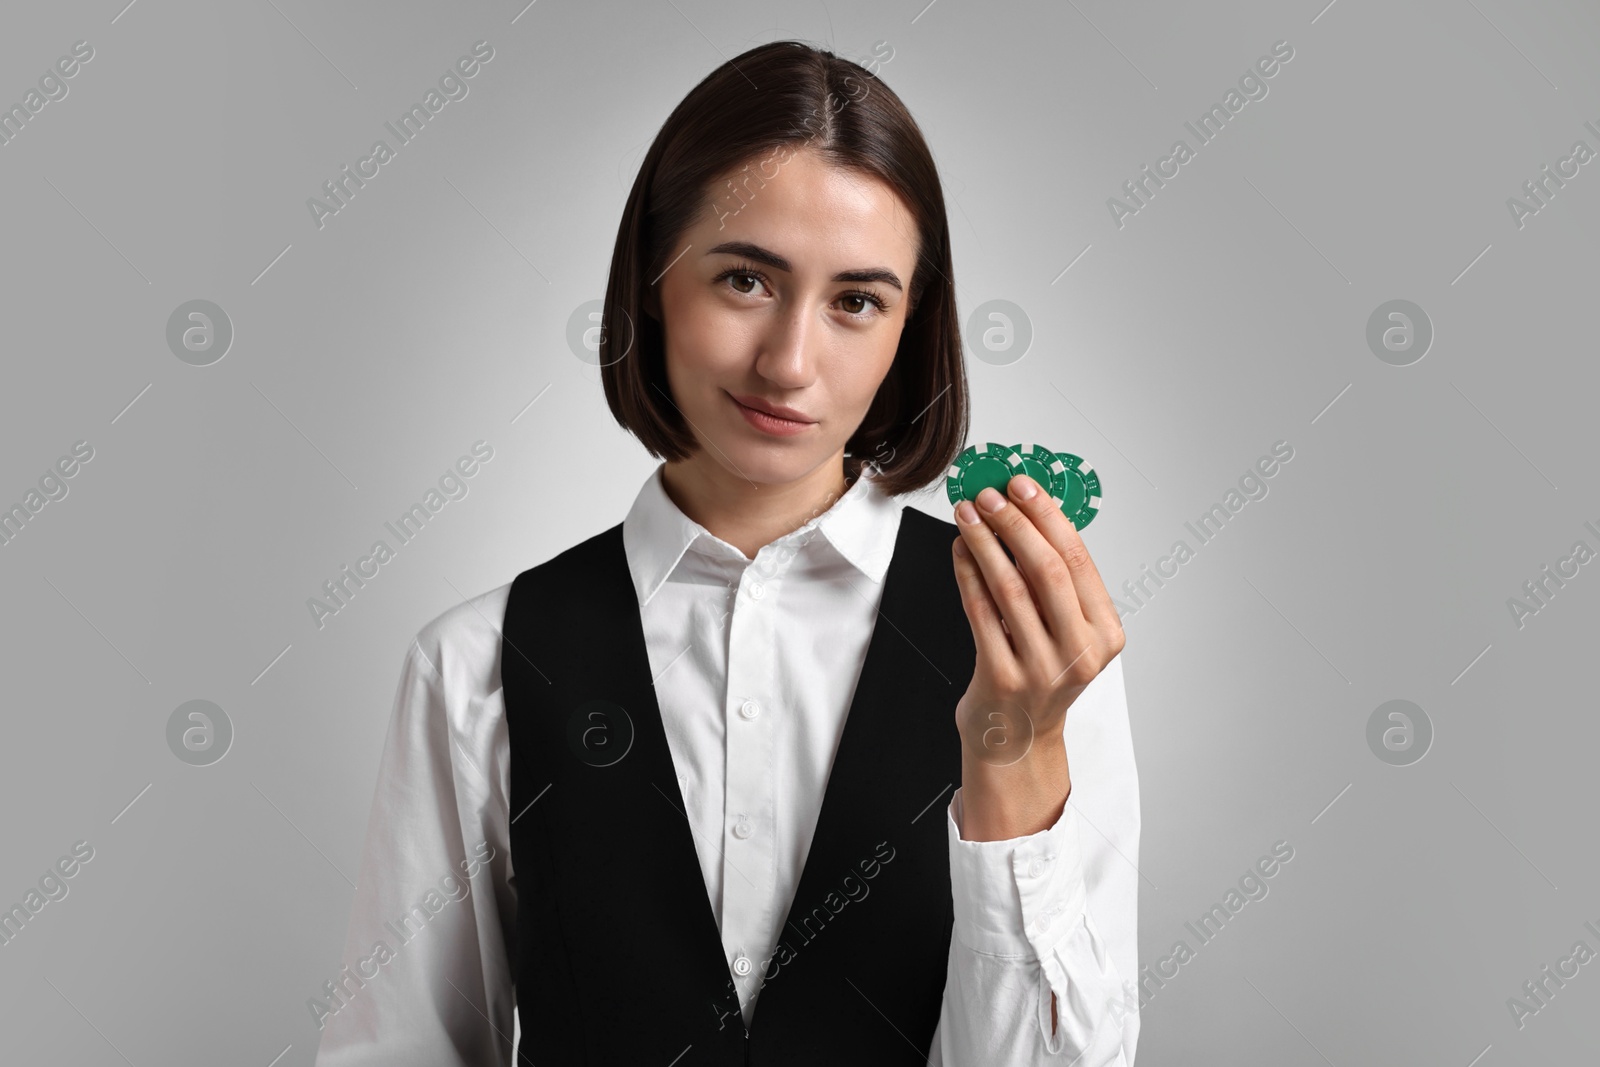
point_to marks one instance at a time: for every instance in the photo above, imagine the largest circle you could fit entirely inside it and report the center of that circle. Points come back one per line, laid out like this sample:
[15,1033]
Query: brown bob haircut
[714,147]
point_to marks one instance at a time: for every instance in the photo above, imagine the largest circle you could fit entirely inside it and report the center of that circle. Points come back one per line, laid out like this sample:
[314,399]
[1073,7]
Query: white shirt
[755,663]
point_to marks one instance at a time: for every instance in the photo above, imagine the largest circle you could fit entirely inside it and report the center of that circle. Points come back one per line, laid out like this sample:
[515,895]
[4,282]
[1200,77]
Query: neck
[747,514]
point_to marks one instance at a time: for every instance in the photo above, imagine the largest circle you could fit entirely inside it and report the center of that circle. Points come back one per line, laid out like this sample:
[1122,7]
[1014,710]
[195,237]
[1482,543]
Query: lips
[755,403]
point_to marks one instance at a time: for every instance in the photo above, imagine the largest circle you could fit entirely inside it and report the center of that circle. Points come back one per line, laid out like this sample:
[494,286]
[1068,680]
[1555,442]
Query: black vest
[617,956]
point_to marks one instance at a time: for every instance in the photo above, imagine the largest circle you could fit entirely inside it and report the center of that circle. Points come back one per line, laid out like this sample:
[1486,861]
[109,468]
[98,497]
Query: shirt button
[742,829]
[1035,868]
[749,709]
[757,590]
[741,966]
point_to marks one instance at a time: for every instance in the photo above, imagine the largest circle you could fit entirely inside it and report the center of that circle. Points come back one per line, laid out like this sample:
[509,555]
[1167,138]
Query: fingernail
[990,499]
[1023,487]
[967,513]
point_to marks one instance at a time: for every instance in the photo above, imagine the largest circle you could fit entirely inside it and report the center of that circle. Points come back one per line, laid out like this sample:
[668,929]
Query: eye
[866,298]
[736,276]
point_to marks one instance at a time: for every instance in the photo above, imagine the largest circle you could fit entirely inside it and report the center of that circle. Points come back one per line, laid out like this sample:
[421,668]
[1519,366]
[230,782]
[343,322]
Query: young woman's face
[795,297]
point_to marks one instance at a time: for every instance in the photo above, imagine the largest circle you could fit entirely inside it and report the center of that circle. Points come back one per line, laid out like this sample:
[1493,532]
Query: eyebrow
[772,259]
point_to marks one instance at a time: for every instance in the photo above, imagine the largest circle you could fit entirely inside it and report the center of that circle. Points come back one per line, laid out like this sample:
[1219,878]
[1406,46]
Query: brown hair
[772,98]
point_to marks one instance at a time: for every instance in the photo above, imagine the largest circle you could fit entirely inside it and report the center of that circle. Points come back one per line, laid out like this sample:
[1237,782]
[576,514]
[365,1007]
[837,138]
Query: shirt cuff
[1018,897]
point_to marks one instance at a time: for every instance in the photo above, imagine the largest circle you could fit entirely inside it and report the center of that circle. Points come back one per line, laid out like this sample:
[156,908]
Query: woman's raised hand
[1044,626]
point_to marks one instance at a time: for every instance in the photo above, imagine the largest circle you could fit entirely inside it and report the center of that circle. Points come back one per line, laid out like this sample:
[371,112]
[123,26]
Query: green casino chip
[1080,502]
[1041,464]
[973,470]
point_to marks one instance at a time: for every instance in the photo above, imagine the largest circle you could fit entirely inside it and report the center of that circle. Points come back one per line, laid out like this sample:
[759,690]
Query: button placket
[749,861]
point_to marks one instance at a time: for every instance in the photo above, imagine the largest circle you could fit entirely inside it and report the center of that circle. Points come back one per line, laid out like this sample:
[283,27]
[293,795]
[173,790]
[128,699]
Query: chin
[765,464]
[764,468]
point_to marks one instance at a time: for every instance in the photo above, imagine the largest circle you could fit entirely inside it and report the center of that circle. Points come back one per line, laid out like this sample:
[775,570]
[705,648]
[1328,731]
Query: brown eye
[734,275]
[870,304]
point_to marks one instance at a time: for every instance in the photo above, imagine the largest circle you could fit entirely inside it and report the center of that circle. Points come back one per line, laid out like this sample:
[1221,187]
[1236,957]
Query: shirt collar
[860,526]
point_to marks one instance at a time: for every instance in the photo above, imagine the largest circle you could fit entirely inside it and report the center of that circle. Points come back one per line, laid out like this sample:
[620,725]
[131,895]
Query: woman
[700,757]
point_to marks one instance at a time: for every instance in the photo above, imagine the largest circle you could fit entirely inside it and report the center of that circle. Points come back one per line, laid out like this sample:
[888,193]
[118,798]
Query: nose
[788,356]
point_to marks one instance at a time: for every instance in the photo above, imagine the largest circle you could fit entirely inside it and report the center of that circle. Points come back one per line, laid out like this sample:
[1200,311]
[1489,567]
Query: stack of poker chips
[1071,481]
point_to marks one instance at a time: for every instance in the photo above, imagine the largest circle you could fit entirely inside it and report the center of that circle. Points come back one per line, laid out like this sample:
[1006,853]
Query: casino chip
[1041,464]
[973,470]
[1080,501]
[1073,483]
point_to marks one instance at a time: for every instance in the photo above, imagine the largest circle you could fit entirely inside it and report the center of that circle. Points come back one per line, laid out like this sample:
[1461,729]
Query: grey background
[1228,314]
